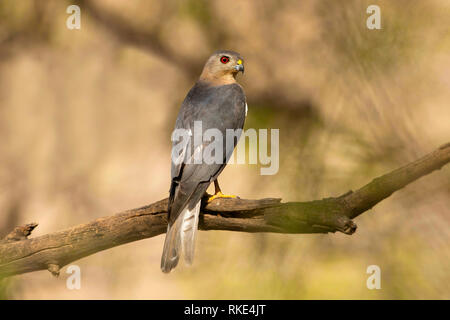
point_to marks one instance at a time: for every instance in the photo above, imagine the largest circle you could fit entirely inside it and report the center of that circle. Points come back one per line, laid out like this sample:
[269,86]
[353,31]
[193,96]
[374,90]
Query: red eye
[224,59]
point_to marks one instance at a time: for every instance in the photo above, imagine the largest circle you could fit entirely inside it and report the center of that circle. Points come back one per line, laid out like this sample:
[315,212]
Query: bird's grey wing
[219,108]
[224,108]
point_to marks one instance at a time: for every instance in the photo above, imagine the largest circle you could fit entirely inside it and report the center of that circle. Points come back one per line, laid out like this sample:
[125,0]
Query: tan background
[86,117]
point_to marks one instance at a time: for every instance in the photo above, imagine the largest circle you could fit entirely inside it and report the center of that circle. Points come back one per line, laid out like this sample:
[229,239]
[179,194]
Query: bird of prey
[219,102]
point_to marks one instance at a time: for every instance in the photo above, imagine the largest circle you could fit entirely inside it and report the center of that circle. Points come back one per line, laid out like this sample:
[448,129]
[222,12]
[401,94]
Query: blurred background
[86,117]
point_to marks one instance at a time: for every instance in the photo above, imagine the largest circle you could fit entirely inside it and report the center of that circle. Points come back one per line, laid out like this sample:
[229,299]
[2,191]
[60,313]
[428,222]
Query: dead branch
[18,254]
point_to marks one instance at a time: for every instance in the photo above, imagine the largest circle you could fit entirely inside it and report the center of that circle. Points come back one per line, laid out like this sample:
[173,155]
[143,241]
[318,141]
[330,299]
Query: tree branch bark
[18,254]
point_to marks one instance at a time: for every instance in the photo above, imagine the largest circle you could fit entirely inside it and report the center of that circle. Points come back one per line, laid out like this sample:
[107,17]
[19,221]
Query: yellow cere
[239,61]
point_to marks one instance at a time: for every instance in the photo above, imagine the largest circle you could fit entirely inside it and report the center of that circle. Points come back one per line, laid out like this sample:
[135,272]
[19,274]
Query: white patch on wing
[246,109]
[188,231]
[197,156]
[180,158]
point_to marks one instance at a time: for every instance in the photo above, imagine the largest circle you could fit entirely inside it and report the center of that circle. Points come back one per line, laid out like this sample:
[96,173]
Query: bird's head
[222,67]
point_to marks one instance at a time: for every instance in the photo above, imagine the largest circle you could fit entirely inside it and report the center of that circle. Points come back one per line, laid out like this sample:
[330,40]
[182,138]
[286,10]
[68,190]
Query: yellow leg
[218,193]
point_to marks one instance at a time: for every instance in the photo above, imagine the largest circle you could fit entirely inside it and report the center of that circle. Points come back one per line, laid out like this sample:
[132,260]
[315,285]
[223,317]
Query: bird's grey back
[220,107]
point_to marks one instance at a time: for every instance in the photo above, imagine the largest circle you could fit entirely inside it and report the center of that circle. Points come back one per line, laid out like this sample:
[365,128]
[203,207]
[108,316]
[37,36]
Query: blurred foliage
[86,117]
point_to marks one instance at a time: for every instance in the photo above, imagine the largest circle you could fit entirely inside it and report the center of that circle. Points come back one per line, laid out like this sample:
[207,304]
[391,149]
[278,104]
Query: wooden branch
[18,254]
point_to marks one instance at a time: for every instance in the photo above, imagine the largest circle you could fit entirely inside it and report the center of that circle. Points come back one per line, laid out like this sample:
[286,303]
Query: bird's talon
[220,195]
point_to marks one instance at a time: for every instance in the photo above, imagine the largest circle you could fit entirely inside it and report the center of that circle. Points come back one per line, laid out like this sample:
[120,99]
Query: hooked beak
[239,66]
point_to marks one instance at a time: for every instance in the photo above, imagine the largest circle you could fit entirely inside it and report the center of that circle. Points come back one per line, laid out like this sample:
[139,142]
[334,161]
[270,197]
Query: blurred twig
[151,41]
[148,40]
[19,233]
[53,251]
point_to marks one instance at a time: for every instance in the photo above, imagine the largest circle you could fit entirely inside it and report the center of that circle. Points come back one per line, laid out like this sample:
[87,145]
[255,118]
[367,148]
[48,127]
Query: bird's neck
[217,79]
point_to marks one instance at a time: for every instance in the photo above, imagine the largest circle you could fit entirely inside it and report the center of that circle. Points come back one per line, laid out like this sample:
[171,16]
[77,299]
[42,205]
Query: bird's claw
[220,195]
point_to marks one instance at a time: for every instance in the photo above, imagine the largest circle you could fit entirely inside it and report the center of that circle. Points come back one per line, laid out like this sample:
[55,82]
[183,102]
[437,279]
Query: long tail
[180,237]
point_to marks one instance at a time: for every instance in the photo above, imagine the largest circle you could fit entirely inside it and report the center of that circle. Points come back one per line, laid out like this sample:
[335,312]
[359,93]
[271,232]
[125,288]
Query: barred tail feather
[172,247]
[180,237]
[189,232]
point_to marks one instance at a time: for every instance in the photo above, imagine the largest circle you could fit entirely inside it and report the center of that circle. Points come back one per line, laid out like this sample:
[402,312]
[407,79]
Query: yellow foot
[220,195]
